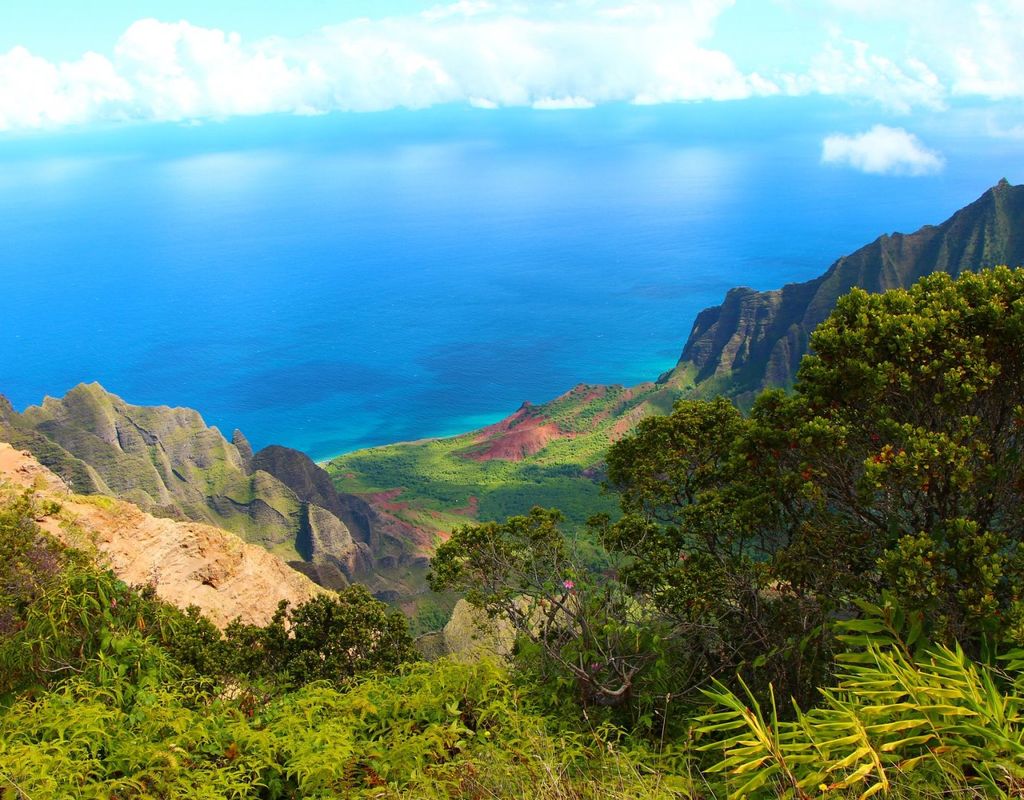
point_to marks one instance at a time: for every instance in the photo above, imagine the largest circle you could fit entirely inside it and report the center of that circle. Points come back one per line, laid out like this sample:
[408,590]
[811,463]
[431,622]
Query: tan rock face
[188,562]
[470,634]
[331,543]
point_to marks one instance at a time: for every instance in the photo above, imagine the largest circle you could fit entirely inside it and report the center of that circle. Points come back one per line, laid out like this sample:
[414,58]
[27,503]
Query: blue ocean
[337,282]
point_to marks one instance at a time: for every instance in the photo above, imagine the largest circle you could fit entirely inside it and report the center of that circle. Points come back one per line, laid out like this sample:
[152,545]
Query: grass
[436,485]
[441,486]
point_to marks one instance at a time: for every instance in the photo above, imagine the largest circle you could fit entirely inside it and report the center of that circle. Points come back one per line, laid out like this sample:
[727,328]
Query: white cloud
[562,103]
[922,52]
[849,68]
[528,53]
[35,93]
[990,62]
[488,54]
[181,71]
[882,150]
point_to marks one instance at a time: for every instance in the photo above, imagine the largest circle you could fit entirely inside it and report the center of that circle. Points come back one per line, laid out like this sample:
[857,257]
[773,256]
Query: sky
[71,65]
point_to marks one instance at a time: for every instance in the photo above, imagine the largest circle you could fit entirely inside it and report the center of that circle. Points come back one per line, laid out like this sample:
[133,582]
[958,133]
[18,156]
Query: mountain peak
[756,339]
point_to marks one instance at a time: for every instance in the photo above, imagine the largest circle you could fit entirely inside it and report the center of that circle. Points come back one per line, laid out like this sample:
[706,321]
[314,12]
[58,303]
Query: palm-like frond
[889,713]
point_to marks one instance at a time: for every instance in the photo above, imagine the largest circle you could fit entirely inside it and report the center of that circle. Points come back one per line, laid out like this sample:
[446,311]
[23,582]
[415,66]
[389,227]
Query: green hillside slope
[550,454]
[756,339]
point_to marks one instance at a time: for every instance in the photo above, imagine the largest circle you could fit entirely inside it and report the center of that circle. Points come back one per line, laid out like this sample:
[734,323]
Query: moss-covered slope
[756,339]
[551,454]
[170,463]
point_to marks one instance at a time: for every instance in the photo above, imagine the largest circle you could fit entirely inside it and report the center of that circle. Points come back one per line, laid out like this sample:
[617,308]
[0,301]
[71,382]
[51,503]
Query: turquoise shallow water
[345,281]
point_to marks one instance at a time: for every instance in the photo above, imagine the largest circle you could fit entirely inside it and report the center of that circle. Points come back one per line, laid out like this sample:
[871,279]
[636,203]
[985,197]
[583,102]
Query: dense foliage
[819,598]
[61,616]
[921,719]
[893,468]
[577,629]
[107,692]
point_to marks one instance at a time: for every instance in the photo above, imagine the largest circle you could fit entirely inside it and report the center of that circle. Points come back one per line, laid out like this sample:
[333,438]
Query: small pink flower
[113,602]
[568,585]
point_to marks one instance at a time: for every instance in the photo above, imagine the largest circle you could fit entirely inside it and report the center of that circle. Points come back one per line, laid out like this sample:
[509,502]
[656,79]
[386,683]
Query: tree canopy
[891,473]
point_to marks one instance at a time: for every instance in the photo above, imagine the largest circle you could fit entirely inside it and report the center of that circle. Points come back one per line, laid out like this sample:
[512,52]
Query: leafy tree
[707,542]
[911,425]
[895,464]
[576,630]
[330,637]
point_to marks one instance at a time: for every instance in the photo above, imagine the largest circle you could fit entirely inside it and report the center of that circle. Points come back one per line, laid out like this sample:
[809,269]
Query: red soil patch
[386,501]
[526,414]
[514,438]
[582,393]
[518,444]
[622,427]
[470,509]
[411,538]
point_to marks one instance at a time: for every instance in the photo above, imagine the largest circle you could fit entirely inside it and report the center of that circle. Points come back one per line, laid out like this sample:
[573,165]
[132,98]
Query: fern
[889,714]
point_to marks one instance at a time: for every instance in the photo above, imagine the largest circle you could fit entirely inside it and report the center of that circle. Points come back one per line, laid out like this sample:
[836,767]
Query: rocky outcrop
[348,537]
[170,463]
[331,543]
[242,445]
[757,339]
[299,473]
[341,531]
[187,563]
[468,636]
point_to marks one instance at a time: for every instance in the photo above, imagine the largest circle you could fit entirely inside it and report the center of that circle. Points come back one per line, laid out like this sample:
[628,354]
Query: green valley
[548,455]
[551,454]
[818,598]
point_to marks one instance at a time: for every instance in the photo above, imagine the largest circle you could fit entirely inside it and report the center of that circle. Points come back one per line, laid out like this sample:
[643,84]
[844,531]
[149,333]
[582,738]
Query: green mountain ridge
[170,463]
[551,454]
[755,340]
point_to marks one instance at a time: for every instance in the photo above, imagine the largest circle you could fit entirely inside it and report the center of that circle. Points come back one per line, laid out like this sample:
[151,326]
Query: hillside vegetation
[169,463]
[552,454]
[820,598]
[508,467]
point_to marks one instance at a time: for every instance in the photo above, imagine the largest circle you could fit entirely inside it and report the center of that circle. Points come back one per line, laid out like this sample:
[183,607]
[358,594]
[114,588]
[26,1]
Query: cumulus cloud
[883,151]
[488,54]
[990,62]
[35,93]
[935,51]
[850,68]
[527,53]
